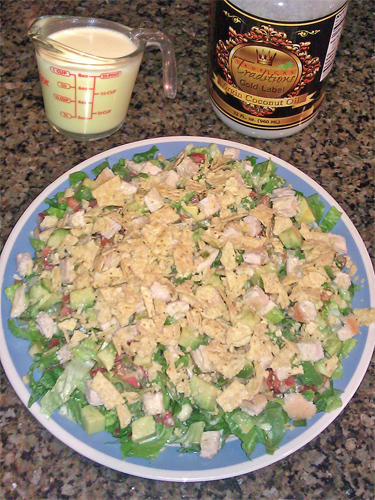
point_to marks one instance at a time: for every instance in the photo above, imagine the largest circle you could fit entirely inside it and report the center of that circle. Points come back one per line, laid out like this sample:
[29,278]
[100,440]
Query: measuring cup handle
[157,38]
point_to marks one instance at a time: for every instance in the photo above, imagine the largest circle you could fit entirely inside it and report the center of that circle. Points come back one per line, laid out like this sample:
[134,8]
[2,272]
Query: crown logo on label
[266,59]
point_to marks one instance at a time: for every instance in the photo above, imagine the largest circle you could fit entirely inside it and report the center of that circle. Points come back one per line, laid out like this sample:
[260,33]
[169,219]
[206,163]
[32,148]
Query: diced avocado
[89,183]
[190,209]
[244,421]
[41,298]
[193,435]
[51,300]
[214,280]
[332,345]
[82,299]
[203,393]
[275,316]
[92,420]
[189,338]
[145,361]
[56,237]
[143,428]
[305,213]
[35,349]
[247,318]
[46,283]
[107,356]
[291,238]
[38,294]
[246,372]
[185,412]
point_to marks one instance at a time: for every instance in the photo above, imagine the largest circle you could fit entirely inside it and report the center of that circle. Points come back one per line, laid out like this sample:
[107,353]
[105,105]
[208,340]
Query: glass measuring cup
[88,68]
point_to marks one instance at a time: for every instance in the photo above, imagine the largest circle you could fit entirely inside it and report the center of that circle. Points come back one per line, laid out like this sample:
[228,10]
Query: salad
[185,300]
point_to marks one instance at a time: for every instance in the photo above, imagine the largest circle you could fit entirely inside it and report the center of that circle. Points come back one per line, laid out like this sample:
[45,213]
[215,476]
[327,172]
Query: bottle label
[270,75]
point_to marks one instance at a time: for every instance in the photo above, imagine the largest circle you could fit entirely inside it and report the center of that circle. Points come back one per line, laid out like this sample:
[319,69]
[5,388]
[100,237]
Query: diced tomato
[41,217]
[66,311]
[92,203]
[290,381]
[66,298]
[198,157]
[132,380]
[46,252]
[183,217]
[131,377]
[252,194]
[117,431]
[132,174]
[304,388]
[264,201]
[94,371]
[72,203]
[104,241]
[53,342]
[273,382]
[166,419]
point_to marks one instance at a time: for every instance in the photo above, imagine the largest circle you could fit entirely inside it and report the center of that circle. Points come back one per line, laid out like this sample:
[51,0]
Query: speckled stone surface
[336,151]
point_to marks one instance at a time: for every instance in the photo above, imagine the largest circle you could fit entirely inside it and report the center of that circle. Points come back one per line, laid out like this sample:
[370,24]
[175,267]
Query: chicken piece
[177,309]
[161,292]
[285,206]
[256,298]
[255,258]
[210,444]
[76,219]
[170,178]
[111,228]
[342,280]
[186,166]
[253,227]
[64,354]
[293,265]
[255,406]
[19,302]
[135,167]
[24,264]
[150,169]
[92,396]
[338,243]
[310,350]
[304,312]
[297,407]
[49,221]
[202,360]
[46,325]
[153,403]
[153,199]
[349,329]
[232,153]
[209,205]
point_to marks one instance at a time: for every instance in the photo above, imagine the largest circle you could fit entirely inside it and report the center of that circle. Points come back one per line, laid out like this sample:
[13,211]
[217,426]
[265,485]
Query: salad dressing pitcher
[88,68]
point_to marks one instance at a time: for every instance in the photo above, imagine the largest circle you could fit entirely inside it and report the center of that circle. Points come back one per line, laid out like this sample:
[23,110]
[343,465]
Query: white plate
[171,466]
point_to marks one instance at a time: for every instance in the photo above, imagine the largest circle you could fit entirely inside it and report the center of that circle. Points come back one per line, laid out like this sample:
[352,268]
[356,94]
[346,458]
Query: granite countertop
[336,151]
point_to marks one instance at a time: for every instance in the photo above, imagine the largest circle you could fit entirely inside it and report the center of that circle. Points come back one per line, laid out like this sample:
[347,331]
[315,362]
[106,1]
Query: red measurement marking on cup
[105,76]
[85,100]
[62,98]
[61,72]
[64,85]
